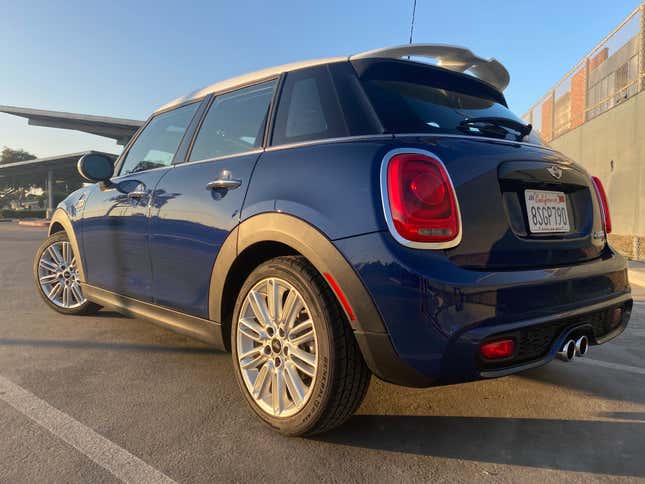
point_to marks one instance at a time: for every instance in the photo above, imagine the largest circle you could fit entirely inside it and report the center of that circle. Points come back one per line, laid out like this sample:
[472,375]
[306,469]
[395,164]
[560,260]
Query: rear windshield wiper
[521,128]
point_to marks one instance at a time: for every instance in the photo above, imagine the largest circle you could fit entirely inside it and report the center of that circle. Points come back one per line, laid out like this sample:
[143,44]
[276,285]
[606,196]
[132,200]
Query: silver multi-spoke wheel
[58,276]
[277,347]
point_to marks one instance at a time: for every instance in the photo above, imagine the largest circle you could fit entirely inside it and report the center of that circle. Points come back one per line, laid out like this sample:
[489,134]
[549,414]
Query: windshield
[407,105]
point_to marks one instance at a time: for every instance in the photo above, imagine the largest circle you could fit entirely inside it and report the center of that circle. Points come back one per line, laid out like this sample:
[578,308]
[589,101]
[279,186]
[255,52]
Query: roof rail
[450,57]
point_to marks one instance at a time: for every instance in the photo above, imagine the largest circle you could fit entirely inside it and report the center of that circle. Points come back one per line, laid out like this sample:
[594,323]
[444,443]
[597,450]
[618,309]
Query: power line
[414,10]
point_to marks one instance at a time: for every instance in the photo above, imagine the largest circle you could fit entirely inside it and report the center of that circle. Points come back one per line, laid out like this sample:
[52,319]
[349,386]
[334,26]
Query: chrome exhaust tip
[582,346]
[568,351]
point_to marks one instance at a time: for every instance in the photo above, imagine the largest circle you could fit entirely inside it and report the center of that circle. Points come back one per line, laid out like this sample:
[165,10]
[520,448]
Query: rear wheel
[295,357]
[56,276]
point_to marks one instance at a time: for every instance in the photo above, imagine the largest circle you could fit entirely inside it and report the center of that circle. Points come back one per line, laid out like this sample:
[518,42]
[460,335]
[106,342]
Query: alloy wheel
[58,276]
[277,347]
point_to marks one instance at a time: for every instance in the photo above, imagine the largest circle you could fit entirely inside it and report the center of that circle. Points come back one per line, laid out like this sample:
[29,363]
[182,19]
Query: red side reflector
[604,204]
[498,349]
[341,296]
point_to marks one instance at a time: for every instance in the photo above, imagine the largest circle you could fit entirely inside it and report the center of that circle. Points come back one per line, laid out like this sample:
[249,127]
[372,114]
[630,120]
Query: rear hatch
[497,185]
[522,205]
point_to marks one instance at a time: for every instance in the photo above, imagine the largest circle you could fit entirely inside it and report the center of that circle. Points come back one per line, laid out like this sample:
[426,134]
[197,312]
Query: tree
[11,156]
[15,187]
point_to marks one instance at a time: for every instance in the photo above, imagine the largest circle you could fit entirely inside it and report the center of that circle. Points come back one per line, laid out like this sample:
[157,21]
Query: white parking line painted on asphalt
[613,366]
[104,452]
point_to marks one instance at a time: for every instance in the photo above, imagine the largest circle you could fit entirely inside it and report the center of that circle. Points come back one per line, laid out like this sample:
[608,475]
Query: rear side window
[308,108]
[156,145]
[234,123]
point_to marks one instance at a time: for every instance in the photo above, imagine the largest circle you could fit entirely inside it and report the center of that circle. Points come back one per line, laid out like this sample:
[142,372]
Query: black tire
[86,307]
[342,375]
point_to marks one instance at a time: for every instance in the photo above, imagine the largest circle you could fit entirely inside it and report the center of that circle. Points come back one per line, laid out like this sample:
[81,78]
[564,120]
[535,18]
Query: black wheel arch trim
[305,239]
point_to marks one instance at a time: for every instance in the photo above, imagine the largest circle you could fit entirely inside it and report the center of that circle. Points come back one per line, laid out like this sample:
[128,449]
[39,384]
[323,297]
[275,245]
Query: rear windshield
[410,98]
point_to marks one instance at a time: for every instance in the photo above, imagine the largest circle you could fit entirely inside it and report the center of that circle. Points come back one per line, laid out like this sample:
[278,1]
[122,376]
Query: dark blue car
[329,220]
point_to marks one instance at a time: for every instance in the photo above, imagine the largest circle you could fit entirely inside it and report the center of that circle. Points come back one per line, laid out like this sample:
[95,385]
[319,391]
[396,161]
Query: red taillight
[604,204]
[498,349]
[422,200]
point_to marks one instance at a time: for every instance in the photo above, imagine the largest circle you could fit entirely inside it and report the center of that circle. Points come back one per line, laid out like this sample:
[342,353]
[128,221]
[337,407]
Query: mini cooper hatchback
[333,219]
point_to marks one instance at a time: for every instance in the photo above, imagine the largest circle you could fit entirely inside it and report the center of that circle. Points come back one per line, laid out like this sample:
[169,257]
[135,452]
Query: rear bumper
[437,314]
[545,335]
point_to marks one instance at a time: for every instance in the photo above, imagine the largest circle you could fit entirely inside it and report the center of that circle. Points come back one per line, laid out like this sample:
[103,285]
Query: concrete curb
[34,223]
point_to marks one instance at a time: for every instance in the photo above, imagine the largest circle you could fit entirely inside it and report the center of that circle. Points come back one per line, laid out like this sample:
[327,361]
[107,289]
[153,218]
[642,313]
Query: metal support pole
[50,193]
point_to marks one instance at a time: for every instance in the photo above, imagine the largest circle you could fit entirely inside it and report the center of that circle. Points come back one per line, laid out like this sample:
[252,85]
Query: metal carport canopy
[119,129]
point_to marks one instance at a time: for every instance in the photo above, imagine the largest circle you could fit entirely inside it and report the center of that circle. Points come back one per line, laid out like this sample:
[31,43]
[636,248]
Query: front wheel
[56,276]
[295,357]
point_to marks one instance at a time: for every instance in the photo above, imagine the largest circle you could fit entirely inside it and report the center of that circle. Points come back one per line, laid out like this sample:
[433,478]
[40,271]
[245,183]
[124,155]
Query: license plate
[547,211]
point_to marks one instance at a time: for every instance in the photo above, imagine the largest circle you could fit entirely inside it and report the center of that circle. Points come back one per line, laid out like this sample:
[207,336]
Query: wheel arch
[265,236]
[274,234]
[242,266]
[60,221]
[55,227]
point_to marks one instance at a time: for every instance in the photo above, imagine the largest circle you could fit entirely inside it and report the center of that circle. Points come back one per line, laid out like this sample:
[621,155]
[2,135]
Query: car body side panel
[331,185]
[115,235]
[188,226]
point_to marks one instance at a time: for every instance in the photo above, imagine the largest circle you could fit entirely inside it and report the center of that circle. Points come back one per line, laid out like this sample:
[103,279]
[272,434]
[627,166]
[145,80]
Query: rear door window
[308,108]
[234,123]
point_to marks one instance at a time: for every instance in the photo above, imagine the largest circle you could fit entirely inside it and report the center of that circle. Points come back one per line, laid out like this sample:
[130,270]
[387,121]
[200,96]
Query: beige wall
[619,135]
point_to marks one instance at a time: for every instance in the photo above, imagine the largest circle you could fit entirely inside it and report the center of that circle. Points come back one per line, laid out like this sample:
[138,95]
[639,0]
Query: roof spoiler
[450,57]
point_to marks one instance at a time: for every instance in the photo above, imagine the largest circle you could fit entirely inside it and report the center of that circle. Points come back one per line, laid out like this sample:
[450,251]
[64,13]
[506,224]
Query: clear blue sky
[125,59]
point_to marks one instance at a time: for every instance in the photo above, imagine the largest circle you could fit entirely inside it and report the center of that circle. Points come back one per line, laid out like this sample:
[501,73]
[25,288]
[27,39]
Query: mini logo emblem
[555,171]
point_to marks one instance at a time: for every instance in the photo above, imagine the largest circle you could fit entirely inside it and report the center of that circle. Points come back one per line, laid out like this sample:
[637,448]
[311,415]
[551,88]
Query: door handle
[224,184]
[136,194]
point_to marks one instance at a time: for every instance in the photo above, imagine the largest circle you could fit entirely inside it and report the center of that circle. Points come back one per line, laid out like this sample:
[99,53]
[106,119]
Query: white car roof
[449,57]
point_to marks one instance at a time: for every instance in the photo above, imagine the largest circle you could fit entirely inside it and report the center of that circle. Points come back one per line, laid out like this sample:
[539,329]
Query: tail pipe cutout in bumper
[572,348]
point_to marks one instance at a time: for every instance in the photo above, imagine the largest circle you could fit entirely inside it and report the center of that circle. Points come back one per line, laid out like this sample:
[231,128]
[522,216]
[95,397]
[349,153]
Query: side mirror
[95,167]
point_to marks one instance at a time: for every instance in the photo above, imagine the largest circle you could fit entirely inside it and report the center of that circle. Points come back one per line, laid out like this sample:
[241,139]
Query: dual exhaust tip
[573,348]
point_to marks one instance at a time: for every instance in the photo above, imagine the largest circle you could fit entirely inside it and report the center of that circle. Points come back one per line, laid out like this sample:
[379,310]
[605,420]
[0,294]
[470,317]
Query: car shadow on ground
[97,345]
[600,447]
[103,313]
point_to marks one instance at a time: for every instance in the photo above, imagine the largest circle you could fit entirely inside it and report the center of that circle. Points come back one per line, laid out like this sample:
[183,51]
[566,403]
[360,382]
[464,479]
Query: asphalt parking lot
[105,398]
